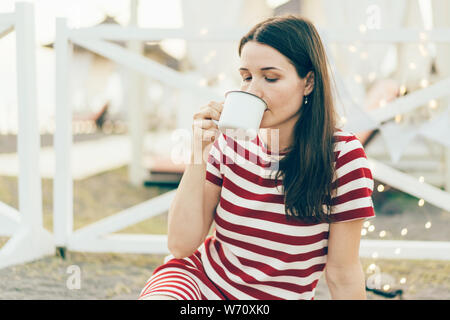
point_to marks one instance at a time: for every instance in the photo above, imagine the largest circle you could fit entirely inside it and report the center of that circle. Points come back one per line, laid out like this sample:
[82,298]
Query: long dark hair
[307,169]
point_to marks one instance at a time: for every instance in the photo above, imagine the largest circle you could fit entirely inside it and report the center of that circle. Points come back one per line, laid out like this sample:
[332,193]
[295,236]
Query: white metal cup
[241,114]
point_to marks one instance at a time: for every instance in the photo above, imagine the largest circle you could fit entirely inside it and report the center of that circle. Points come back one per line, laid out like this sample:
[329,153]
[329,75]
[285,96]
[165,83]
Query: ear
[309,83]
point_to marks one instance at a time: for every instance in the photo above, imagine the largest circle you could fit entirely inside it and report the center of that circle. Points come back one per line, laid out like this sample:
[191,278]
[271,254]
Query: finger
[204,124]
[209,135]
[207,113]
[216,105]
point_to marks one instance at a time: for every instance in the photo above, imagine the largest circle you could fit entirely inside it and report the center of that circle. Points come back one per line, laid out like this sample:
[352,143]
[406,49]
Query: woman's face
[271,76]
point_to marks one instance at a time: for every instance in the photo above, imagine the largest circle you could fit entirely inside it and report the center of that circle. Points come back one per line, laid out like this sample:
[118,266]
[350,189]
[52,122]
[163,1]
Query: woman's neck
[277,140]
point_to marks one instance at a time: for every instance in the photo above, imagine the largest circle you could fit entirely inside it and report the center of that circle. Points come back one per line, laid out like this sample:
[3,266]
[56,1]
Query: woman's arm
[192,210]
[343,272]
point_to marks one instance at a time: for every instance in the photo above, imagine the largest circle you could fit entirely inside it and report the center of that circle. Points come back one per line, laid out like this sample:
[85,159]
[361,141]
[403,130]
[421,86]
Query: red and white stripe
[255,252]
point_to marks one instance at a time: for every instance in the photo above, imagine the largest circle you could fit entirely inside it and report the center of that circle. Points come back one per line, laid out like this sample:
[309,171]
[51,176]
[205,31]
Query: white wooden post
[31,241]
[136,119]
[62,183]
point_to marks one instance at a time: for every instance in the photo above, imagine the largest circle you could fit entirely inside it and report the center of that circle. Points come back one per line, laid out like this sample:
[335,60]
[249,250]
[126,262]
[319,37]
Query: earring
[306,99]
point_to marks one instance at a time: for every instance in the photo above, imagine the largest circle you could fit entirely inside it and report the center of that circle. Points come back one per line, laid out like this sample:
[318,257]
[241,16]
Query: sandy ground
[122,276]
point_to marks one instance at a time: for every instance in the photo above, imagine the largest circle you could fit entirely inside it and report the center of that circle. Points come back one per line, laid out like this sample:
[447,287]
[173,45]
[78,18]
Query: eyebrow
[263,69]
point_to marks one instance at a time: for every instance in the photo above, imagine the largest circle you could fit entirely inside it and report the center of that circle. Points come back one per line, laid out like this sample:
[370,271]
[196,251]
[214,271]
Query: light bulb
[403,280]
[362,28]
[402,90]
[432,104]
[382,234]
[380,188]
[424,83]
[371,228]
[421,202]
[428,225]
[404,232]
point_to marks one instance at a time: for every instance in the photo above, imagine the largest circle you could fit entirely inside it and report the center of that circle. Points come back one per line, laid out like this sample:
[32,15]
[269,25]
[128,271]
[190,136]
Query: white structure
[29,240]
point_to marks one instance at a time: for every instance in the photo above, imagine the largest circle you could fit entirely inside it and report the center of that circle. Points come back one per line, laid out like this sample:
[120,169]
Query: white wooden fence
[28,239]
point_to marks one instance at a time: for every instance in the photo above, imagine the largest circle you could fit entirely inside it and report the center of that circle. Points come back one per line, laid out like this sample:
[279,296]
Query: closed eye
[267,79]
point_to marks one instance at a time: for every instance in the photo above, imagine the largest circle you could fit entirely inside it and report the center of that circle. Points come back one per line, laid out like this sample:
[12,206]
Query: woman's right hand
[204,129]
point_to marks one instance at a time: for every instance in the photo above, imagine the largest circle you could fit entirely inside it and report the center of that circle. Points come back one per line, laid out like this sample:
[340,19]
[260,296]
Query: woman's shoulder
[346,141]
[344,136]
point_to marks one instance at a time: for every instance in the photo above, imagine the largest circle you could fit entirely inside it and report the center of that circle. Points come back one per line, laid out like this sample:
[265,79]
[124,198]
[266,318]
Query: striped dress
[255,252]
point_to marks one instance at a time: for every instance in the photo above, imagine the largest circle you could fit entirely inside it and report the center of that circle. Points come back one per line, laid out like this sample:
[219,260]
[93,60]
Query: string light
[362,28]
[403,280]
[371,228]
[404,231]
[366,224]
[421,202]
[363,231]
[422,50]
[402,90]
[428,225]
[421,179]
[382,234]
[424,83]
[386,287]
[221,76]
[380,188]
[375,255]
[432,104]
[352,48]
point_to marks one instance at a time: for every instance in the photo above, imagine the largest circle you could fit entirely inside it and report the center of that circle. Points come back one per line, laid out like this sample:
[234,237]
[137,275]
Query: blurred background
[129,128]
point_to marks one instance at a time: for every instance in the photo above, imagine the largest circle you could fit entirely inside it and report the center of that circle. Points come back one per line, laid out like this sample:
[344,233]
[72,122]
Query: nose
[253,88]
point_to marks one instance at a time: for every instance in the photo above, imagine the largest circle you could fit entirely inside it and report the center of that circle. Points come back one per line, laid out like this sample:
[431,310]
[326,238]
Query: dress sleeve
[353,183]
[214,164]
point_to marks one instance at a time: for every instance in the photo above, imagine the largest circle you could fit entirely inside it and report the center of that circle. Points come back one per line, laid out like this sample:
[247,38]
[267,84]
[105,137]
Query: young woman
[276,232]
